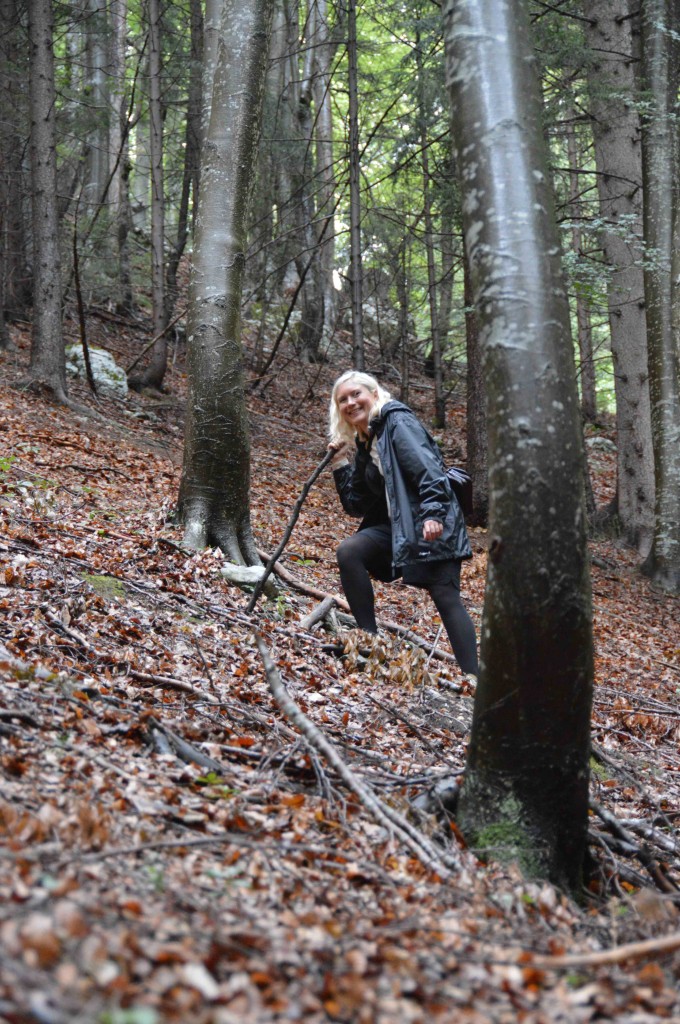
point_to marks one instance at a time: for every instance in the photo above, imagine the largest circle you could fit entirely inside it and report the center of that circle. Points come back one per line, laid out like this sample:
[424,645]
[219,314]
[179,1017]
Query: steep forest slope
[173,849]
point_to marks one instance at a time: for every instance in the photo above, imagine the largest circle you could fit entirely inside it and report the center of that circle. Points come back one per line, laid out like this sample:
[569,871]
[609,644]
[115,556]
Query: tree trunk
[661,175]
[355,267]
[323,55]
[585,334]
[477,446]
[153,376]
[215,486]
[15,278]
[439,401]
[120,183]
[98,73]
[610,31]
[192,152]
[525,791]
[48,368]
[312,305]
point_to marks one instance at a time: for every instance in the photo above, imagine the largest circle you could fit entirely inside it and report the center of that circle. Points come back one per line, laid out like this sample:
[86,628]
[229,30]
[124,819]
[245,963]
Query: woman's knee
[348,553]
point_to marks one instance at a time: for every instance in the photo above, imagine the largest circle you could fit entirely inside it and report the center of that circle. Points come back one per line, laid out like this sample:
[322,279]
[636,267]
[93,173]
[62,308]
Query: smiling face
[355,402]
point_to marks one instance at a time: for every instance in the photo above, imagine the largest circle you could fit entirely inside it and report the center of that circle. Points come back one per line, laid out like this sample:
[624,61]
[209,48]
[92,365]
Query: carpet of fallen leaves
[171,849]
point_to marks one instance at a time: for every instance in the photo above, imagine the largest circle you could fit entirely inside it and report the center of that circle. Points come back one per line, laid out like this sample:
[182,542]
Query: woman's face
[355,402]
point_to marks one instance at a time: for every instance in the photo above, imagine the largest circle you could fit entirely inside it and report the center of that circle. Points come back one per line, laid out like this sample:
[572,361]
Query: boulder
[108,376]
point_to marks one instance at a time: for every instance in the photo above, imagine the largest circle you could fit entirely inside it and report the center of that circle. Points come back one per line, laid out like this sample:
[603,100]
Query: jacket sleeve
[422,467]
[350,483]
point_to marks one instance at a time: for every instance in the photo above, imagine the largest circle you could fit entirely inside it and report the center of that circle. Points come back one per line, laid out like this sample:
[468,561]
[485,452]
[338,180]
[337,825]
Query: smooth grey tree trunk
[214,498]
[610,29]
[477,442]
[48,368]
[661,175]
[525,792]
[355,268]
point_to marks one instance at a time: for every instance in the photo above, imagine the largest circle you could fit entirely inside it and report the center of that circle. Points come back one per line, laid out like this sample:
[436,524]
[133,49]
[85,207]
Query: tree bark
[437,372]
[192,155]
[48,367]
[661,176]
[15,277]
[215,486]
[153,376]
[323,55]
[355,268]
[312,296]
[585,334]
[120,183]
[610,32]
[525,792]
[477,445]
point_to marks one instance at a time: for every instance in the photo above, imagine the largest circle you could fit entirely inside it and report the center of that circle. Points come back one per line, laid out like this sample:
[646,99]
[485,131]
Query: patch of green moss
[599,770]
[106,586]
[508,840]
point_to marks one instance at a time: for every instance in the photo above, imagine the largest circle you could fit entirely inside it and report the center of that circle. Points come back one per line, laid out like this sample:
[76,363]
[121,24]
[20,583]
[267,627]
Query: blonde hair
[338,428]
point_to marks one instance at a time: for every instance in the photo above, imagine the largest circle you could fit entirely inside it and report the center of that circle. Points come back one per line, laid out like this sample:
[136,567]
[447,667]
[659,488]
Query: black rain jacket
[416,485]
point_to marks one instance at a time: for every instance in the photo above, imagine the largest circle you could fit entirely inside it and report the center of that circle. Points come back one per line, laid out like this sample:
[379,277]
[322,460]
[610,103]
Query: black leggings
[369,553]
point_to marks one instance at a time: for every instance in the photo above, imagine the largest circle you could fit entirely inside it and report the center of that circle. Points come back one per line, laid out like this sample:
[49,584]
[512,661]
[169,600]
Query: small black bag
[461,482]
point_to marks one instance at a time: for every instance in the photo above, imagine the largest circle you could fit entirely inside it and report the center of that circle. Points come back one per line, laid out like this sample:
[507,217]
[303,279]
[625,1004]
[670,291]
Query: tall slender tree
[355,273]
[661,172]
[214,498]
[526,781]
[155,372]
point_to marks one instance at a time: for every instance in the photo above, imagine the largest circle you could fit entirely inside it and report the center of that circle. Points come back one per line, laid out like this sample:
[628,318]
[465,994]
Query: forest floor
[172,849]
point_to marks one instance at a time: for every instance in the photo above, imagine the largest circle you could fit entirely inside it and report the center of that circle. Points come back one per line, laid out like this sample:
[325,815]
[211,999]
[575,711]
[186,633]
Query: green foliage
[132,1015]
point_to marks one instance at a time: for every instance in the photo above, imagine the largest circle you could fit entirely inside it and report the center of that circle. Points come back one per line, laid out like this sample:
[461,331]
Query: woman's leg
[367,552]
[456,621]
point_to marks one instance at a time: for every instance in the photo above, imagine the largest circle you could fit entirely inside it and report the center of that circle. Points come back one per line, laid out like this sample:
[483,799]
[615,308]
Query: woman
[412,525]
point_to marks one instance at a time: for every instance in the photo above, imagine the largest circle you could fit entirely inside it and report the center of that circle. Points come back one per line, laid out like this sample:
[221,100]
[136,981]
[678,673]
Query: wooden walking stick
[289,529]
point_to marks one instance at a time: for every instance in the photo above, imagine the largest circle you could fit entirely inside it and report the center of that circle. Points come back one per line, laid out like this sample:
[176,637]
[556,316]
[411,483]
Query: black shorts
[416,574]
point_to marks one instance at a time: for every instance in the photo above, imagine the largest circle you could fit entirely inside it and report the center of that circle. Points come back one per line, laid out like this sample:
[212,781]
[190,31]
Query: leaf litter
[172,848]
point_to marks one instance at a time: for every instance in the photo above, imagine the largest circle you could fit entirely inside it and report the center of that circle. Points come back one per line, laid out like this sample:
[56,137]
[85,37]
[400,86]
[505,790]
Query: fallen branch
[318,614]
[390,819]
[631,951]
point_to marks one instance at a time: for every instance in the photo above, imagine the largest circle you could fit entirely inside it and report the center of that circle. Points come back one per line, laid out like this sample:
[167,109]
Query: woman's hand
[432,529]
[341,449]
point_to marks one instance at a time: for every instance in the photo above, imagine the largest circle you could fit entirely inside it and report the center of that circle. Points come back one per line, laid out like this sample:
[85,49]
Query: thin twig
[289,529]
[631,951]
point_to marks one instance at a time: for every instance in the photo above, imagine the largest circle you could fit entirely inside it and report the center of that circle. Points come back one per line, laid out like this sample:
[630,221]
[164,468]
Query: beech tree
[526,783]
[214,498]
[661,172]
